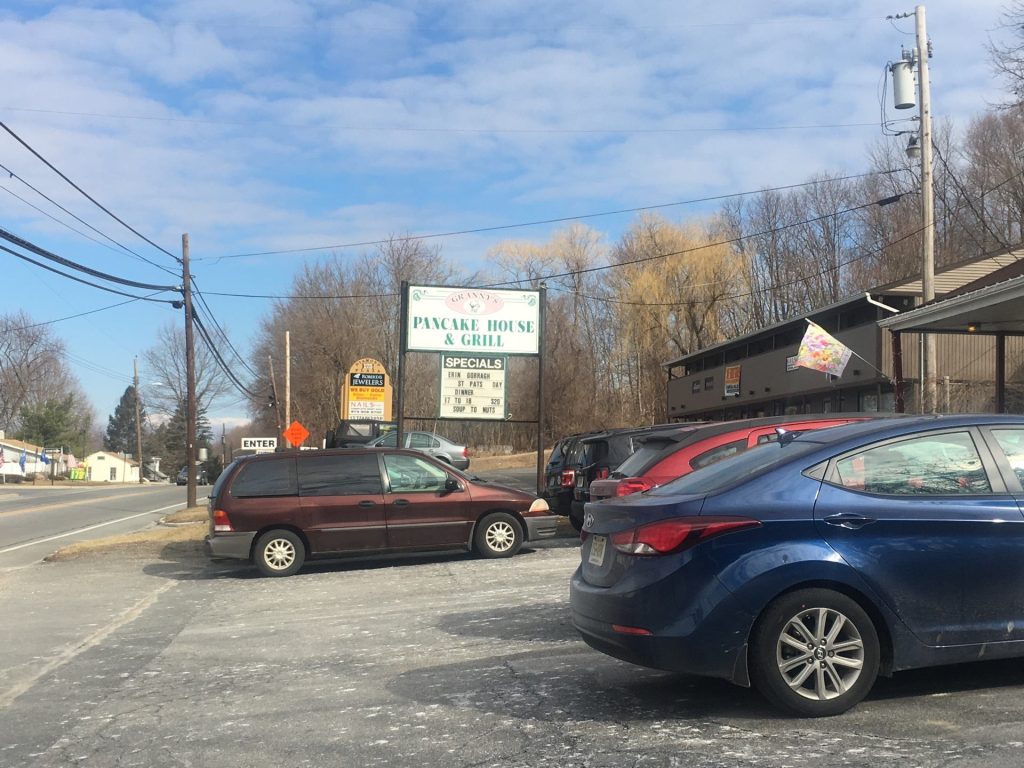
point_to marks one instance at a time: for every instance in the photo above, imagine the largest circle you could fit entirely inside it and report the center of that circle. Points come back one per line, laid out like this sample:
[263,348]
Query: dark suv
[560,475]
[277,509]
[596,455]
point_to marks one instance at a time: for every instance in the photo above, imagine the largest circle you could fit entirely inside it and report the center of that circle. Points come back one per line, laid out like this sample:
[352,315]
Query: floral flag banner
[821,352]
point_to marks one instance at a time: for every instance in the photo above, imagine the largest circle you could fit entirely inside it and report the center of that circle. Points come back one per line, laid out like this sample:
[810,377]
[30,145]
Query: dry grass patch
[183,529]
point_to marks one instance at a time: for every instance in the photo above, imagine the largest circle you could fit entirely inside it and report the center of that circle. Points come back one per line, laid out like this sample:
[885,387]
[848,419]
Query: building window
[113,473]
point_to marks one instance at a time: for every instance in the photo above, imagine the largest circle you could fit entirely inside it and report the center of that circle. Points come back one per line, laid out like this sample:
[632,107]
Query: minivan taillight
[630,485]
[676,534]
[221,522]
[568,478]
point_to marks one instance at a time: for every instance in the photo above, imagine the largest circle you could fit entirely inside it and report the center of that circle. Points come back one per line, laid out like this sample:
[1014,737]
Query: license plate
[597,547]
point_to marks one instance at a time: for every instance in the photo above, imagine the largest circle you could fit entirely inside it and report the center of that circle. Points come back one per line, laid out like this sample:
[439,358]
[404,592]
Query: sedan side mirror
[451,484]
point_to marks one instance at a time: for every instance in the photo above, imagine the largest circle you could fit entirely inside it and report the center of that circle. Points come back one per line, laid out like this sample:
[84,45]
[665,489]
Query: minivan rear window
[273,477]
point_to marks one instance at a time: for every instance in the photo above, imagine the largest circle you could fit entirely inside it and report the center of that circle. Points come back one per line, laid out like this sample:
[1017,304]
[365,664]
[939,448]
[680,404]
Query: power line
[85,194]
[80,314]
[462,129]
[204,334]
[28,246]
[46,197]
[774,286]
[766,289]
[47,267]
[967,199]
[559,220]
[219,329]
[600,268]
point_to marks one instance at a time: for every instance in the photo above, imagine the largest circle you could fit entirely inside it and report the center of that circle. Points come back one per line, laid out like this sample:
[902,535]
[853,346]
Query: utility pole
[929,403]
[921,146]
[190,375]
[273,389]
[288,383]
[138,417]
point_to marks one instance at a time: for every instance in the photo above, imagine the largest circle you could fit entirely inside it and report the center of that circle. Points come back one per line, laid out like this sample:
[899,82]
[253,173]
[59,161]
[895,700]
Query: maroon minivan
[278,509]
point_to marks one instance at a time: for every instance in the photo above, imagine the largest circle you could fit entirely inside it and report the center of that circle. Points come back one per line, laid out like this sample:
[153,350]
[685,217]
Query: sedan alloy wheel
[814,652]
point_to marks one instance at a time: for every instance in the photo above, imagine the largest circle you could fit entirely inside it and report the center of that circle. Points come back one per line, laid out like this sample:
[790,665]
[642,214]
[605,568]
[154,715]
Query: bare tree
[32,369]
[1007,56]
[340,311]
[166,385]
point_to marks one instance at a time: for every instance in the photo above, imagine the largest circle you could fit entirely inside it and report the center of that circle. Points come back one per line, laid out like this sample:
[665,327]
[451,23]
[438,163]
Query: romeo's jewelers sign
[473,320]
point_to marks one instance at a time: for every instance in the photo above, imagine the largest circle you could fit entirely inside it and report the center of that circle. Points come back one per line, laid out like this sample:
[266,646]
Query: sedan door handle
[367,503]
[399,502]
[849,520]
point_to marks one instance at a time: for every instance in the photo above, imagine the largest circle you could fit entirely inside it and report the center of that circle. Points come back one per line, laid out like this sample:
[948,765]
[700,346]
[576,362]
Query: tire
[576,520]
[279,553]
[814,652]
[498,535]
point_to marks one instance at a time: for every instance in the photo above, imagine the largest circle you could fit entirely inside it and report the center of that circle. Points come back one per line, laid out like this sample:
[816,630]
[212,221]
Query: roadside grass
[183,530]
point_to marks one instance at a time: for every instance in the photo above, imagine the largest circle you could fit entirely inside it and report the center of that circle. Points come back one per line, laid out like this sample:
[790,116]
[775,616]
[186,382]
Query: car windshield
[723,474]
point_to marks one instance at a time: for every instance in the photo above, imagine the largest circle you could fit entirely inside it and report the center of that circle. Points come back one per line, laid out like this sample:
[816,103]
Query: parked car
[596,455]
[809,566]
[665,455]
[560,475]
[429,443]
[201,477]
[278,509]
[352,432]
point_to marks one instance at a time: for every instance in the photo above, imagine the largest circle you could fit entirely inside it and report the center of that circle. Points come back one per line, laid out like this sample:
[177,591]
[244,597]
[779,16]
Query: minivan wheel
[814,652]
[279,553]
[498,535]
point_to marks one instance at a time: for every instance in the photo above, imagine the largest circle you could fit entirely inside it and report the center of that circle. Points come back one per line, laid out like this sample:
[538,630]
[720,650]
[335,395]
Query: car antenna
[785,436]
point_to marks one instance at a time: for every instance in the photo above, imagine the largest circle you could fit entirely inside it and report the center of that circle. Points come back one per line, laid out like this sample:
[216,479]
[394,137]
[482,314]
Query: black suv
[595,457]
[352,433]
[560,475]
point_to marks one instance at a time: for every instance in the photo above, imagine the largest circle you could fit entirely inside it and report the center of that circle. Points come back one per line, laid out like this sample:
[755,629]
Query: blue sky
[288,124]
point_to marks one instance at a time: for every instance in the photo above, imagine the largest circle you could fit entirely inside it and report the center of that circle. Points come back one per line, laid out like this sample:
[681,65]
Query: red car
[666,456]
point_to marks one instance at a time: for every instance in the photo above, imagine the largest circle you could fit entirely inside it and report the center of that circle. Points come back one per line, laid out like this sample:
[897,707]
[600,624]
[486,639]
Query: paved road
[36,520]
[428,662]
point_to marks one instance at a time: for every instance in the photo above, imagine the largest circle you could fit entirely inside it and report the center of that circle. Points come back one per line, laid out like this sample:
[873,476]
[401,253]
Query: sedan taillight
[221,522]
[630,485]
[676,534]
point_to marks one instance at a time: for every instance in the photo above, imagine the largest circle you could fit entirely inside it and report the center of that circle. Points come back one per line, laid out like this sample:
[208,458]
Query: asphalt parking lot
[438,661]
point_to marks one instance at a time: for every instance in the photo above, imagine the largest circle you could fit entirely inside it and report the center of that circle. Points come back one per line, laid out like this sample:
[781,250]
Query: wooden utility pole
[288,383]
[929,402]
[138,417]
[190,375]
[273,389]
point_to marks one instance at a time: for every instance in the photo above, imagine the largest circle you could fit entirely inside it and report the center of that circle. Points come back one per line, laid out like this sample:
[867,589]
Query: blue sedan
[809,566]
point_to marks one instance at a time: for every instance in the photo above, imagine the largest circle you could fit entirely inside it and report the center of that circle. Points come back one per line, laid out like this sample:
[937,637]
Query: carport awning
[994,309]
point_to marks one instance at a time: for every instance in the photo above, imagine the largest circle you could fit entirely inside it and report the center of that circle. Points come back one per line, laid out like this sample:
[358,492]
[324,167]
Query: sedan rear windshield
[728,472]
[637,463]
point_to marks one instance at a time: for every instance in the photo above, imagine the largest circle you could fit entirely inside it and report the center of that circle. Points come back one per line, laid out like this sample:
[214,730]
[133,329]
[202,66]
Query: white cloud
[294,123]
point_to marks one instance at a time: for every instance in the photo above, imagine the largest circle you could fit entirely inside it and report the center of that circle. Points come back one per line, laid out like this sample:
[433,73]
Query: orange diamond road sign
[296,434]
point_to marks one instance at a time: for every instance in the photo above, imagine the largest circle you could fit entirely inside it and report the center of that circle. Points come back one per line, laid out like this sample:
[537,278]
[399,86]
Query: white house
[106,467]
[12,469]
